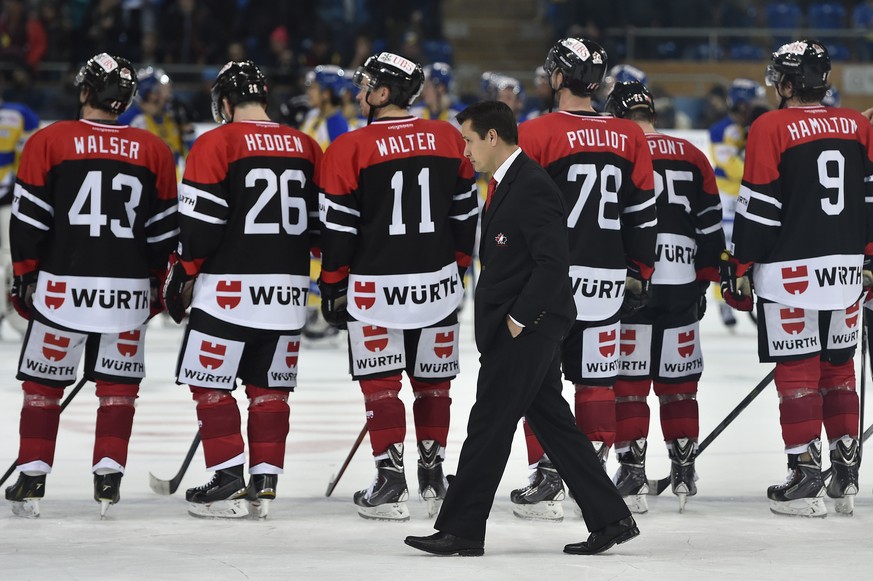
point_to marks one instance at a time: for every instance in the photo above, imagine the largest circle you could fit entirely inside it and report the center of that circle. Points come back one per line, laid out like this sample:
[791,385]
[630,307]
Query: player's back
[603,168]
[687,205]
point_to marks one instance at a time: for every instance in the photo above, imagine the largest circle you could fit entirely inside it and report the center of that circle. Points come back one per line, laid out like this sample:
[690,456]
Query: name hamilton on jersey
[817,126]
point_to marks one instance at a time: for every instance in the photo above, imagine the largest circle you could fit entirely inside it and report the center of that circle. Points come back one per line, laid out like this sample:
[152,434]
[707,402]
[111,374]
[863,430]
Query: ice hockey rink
[726,532]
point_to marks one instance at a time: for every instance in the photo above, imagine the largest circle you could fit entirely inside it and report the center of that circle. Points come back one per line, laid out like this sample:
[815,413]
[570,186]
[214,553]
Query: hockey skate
[541,499]
[682,474]
[432,483]
[802,492]
[25,495]
[386,497]
[843,485]
[261,491]
[107,490]
[630,479]
[225,496]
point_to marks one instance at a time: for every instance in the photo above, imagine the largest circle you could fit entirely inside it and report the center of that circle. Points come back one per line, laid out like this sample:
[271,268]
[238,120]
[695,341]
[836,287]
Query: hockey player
[806,172]
[399,210]
[603,167]
[17,124]
[94,218]
[436,94]
[728,143]
[247,212]
[660,343]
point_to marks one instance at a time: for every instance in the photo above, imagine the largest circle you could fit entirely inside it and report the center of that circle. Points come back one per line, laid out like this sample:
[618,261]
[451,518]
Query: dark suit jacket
[524,255]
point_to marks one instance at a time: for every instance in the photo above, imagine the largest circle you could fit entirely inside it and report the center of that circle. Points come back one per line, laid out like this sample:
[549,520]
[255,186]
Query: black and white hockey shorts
[51,354]
[215,353]
[789,333]
[590,352]
[429,354]
[662,340]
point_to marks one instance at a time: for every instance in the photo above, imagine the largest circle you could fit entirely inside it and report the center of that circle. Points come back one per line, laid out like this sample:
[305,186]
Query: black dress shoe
[447,544]
[602,539]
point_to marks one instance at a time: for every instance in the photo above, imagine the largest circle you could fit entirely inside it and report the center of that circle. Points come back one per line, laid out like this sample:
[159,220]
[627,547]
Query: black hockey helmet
[238,82]
[404,77]
[805,63]
[583,63]
[626,97]
[111,82]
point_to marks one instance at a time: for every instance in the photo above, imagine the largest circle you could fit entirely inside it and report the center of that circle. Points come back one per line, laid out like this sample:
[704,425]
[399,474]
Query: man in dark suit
[524,307]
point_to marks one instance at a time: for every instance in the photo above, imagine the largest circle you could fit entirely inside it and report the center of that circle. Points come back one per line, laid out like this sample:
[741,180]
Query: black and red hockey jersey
[690,236]
[603,167]
[94,210]
[805,209]
[247,213]
[399,211]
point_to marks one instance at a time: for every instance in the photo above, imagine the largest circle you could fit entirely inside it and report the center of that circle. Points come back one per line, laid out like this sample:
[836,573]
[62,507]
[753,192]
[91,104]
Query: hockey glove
[636,292]
[21,294]
[736,291]
[702,286]
[178,289]
[867,277]
[334,298]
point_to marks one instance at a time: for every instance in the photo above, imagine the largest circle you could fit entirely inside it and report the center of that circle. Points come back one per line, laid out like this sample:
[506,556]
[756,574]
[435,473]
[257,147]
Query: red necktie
[492,185]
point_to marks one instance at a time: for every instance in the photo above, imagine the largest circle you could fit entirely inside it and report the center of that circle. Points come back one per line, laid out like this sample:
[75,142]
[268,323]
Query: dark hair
[494,115]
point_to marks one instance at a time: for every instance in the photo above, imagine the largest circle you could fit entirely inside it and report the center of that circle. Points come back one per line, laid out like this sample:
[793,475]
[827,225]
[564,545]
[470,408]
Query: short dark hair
[494,115]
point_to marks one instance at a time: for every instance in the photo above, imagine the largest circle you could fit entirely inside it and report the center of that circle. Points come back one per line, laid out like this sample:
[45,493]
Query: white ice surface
[727,531]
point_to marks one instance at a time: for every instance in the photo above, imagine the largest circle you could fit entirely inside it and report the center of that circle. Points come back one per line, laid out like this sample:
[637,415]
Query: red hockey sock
[220,430]
[431,410]
[269,416]
[595,413]
[631,410]
[38,426]
[386,414]
[114,424]
[680,415]
[534,448]
[840,409]
[800,403]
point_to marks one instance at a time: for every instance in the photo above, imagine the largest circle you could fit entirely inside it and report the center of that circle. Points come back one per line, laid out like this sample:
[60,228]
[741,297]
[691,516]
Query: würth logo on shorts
[55,294]
[444,344]
[365,294]
[795,279]
[54,347]
[375,338]
[228,293]
[128,343]
[686,344]
[628,342]
[793,320]
[291,353]
[212,354]
[606,343]
[852,315]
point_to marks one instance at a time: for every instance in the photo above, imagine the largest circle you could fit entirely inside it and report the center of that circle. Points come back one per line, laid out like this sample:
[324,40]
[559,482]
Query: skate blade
[261,508]
[27,508]
[683,497]
[238,508]
[637,503]
[845,505]
[433,505]
[808,507]
[391,511]
[548,510]
[104,507]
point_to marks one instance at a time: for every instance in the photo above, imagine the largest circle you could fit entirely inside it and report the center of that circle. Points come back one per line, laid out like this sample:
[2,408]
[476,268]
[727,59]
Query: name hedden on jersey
[97,144]
[273,142]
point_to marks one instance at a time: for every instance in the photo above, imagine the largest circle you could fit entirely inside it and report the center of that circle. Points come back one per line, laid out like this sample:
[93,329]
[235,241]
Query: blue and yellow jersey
[164,126]
[17,123]
[324,129]
[728,147]
[445,115]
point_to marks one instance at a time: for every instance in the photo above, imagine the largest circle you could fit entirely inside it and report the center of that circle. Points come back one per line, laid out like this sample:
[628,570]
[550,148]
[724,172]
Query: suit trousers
[522,377]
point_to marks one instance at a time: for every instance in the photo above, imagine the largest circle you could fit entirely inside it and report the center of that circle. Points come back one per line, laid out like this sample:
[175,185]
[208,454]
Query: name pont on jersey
[408,143]
[803,128]
[665,146]
[98,144]
[273,142]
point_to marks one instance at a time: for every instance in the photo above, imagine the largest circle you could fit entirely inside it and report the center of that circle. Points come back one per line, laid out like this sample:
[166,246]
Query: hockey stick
[335,479]
[656,487]
[861,402]
[168,487]
[64,404]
